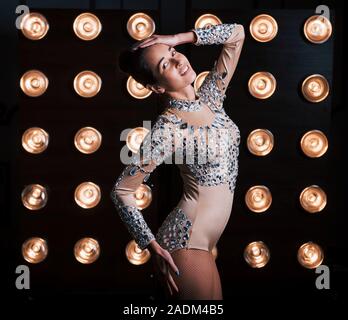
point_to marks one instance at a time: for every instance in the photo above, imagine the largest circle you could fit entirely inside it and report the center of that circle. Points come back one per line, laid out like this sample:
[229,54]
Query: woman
[195,129]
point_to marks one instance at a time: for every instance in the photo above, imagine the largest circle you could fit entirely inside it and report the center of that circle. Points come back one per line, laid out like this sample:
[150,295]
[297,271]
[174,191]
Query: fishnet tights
[199,277]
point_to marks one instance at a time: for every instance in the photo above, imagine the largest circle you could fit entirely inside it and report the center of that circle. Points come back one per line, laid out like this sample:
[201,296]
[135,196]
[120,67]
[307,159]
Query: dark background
[60,111]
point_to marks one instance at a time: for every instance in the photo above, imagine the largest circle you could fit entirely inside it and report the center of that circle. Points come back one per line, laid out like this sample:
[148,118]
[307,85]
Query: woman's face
[169,67]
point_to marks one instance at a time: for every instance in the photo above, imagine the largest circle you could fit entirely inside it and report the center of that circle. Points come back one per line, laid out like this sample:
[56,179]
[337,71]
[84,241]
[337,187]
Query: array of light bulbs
[260,142]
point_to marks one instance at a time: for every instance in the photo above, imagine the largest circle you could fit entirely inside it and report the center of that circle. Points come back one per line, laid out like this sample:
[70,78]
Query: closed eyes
[164,64]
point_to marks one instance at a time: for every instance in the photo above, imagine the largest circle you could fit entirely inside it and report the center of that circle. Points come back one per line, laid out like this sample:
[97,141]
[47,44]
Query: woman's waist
[211,200]
[201,194]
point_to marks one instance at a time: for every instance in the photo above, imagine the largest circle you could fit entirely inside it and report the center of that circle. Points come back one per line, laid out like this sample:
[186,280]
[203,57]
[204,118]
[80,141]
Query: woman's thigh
[197,278]
[217,283]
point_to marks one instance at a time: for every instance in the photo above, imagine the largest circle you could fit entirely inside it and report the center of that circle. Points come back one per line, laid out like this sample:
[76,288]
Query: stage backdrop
[286,171]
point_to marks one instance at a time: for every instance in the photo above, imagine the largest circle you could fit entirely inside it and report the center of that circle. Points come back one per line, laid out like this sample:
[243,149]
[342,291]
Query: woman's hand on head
[170,40]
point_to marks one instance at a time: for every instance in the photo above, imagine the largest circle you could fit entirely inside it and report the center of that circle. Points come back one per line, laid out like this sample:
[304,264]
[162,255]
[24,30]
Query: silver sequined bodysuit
[200,138]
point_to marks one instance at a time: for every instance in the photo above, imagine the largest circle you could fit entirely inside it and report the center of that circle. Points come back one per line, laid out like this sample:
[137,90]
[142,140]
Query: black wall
[286,171]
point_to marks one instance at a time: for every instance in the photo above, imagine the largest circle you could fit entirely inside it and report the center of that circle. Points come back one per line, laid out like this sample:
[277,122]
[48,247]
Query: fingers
[172,282]
[172,265]
[147,42]
[165,262]
[169,279]
[166,278]
[169,288]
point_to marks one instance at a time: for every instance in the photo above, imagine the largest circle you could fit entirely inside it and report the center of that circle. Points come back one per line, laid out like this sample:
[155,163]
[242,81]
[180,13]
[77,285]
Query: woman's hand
[170,40]
[164,261]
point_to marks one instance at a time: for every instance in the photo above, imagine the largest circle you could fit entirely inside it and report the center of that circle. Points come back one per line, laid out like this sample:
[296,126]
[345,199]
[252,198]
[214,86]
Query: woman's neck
[187,93]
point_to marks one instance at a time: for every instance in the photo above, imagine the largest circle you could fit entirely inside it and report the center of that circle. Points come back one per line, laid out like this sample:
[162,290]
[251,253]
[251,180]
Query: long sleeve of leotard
[232,37]
[156,147]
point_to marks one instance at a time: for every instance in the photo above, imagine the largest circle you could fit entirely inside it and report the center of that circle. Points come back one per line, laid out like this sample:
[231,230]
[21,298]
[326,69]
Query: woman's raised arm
[232,37]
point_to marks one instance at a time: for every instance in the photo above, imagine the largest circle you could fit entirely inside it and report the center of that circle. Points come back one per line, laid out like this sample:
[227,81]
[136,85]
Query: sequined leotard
[200,138]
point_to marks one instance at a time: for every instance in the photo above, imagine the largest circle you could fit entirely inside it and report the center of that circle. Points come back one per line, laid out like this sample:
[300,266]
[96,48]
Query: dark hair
[133,62]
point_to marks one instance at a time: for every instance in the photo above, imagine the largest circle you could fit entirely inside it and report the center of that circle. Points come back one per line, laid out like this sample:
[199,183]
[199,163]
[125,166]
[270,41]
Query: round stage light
[207,20]
[317,29]
[315,88]
[260,142]
[87,250]
[87,26]
[310,255]
[143,196]
[34,196]
[87,84]
[263,28]
[136,89]
[35,140]
[256,254]
[33,83]
[314,143]
[313,199]
[87,195]
[140,26]
[135,137]
[135,255]
[87,140]
[258,198]
[262,85]
[34,26]
[35,250]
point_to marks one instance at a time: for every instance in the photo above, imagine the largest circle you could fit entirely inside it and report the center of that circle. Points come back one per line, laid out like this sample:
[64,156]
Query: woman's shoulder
[165,122]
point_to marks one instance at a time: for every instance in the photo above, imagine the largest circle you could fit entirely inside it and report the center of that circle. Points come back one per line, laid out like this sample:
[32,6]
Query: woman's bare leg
[199,279]
[217,282]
